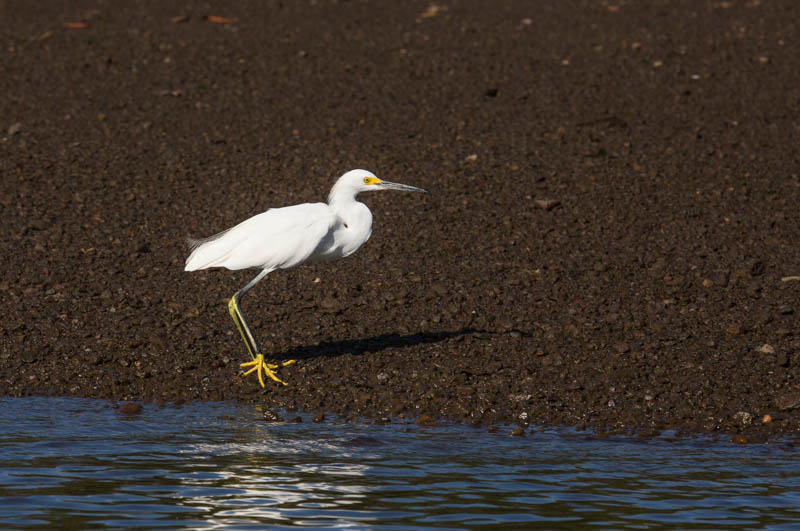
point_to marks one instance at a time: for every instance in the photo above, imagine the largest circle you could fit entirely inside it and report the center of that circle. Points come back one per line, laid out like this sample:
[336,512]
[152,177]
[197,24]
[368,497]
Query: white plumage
[281,238]
[276,239]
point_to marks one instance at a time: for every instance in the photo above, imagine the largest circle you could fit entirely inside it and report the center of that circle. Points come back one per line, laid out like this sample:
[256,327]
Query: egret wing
[276,239]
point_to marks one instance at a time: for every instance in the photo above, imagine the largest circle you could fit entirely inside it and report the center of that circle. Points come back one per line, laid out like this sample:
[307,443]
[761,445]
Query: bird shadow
[374,344]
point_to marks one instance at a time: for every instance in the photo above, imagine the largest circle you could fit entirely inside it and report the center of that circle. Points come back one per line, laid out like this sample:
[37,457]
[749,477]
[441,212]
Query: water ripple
[80,463]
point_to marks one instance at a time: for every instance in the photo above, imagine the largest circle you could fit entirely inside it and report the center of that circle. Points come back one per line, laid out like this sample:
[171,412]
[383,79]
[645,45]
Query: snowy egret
[281,238]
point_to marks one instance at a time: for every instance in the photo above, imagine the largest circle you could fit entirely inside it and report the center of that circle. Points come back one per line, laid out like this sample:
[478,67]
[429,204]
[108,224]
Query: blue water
[72,463]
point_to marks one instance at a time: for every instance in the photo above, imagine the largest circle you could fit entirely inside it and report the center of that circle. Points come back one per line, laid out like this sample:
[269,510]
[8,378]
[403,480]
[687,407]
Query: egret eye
[367,180]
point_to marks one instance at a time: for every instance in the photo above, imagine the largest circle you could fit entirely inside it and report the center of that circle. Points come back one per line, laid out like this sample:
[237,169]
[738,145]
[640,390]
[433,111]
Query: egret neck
[356,220]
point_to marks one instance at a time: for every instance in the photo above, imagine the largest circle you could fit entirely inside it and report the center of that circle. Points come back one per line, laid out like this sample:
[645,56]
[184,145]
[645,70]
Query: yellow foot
[258,365]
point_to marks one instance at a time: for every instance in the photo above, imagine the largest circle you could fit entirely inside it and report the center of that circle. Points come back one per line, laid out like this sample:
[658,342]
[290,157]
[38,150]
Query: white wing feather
[276,239]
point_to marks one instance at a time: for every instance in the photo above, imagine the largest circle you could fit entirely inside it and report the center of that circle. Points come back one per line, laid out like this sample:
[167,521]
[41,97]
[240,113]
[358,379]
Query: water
[71,463]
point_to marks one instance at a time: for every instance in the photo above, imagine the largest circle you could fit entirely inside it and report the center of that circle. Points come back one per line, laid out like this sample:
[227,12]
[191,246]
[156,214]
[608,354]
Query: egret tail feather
[207,252]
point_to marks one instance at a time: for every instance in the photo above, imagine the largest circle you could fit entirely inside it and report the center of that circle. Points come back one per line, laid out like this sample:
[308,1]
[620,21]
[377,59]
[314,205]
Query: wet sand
[610,240]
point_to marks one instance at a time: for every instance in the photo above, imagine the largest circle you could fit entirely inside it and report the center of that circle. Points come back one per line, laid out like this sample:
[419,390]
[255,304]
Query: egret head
[356,181]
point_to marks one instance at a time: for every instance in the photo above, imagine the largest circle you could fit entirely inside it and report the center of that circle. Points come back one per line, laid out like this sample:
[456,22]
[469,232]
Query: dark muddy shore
[610,241]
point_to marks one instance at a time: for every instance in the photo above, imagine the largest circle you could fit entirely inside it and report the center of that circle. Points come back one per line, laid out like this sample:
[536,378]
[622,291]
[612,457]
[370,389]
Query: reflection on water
[80,463]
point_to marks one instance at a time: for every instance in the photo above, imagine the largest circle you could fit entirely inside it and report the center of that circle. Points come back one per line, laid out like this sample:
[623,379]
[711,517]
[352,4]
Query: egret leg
[258,365]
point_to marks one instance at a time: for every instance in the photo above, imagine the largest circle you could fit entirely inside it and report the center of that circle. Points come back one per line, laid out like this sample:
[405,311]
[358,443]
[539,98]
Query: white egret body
[281,238]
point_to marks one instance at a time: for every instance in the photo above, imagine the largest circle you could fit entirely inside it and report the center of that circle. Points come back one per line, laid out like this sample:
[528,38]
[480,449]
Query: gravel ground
[610,240]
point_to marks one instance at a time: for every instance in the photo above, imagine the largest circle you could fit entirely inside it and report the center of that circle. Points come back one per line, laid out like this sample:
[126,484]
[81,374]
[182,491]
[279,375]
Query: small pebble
[424,420]
[271,416]
[319,417]
[743,418]
[722,278]
[739,439]
[547,204]
[130,408]
[787,401]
